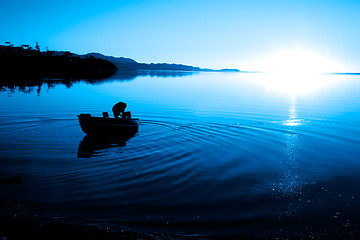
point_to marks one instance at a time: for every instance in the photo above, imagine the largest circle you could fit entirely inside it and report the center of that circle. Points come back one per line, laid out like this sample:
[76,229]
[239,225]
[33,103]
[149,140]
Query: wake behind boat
[107,126]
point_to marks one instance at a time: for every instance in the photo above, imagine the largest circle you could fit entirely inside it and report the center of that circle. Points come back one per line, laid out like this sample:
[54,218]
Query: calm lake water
[216,153]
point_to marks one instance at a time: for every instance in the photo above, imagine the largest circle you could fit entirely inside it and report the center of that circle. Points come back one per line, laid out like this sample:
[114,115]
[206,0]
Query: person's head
[123,106]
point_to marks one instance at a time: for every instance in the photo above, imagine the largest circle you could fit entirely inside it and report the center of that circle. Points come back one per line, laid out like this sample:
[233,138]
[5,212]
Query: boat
[107,126]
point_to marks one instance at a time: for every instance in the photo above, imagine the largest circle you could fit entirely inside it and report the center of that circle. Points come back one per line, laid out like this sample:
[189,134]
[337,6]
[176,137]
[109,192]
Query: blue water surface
[216,154]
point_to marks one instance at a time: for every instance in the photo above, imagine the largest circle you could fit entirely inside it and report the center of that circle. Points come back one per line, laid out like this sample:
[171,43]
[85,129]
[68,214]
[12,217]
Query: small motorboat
[107,126]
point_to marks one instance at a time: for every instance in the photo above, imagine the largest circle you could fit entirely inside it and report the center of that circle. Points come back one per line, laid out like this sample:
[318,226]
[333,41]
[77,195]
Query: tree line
[25,62]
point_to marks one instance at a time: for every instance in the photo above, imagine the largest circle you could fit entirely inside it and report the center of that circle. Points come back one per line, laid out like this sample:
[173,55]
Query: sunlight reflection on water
[299,83]
[293,121]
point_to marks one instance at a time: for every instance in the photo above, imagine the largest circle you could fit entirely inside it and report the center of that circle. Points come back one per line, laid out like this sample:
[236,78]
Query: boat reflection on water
[92,145]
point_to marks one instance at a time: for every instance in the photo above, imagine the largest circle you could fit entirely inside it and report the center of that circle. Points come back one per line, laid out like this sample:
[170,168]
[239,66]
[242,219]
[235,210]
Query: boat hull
[107,126]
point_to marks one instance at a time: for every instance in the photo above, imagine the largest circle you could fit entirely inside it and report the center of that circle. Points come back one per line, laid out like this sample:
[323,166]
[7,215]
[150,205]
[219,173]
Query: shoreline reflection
[28,85]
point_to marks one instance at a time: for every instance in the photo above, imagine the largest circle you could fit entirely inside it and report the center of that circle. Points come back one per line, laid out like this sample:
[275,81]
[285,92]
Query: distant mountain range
[25,68]
[126,64]
[24,61]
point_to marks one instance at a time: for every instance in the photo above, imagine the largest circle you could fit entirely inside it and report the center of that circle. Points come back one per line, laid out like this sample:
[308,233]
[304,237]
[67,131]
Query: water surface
[219,153]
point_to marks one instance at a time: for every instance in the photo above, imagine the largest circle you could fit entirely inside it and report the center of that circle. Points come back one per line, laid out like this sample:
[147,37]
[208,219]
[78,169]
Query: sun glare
[298,71]
[300,62]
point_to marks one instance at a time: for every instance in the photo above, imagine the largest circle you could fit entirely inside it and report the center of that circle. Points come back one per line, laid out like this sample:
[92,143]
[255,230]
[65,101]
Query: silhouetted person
[119,110]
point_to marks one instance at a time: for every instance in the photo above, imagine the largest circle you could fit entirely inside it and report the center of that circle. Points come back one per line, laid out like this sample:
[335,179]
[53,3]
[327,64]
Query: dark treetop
[25,62]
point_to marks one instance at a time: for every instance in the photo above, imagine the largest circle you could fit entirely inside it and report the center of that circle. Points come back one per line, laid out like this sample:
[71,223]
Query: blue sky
[211,33]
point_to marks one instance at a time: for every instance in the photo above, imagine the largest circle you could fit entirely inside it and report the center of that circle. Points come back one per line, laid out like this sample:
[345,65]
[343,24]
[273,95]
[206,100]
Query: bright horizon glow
[298,61]
[296,84]
[298,71]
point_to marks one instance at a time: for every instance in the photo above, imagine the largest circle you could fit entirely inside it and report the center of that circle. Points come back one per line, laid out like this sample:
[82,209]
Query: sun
[299,61]
[297,71]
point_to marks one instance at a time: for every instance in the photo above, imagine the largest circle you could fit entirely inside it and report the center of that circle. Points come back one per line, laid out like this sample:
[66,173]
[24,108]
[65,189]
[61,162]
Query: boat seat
[105,115]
